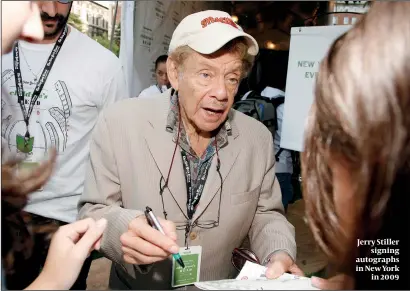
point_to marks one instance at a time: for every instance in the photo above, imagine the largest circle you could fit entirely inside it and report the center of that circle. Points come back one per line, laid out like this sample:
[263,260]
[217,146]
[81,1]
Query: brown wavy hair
[360,118]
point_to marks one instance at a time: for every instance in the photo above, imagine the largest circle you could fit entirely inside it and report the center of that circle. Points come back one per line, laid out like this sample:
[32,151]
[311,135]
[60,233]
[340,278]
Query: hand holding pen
[143,245]
[153,221]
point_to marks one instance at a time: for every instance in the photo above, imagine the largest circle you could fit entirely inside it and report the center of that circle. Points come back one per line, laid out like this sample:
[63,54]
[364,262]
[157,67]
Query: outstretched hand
[69,248]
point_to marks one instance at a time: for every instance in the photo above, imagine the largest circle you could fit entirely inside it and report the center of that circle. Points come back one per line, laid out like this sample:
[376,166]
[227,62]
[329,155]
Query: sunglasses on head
[241,255]
[64,1]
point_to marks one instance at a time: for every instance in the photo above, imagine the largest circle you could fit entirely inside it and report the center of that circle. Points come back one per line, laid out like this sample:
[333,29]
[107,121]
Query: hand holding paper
[252,277]
[280,263]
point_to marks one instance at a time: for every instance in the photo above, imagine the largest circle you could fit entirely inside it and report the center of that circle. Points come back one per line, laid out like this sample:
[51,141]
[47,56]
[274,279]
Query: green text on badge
[187,275]
[190,274]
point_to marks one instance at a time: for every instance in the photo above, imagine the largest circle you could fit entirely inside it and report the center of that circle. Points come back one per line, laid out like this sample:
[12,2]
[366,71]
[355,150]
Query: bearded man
[53,91]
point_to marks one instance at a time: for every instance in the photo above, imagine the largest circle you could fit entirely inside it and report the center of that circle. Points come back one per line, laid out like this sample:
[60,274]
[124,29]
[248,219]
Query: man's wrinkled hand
[280,263]
[144,245]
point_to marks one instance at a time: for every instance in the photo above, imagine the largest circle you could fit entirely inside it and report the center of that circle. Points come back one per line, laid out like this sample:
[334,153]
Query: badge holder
[191,273]
[28,165]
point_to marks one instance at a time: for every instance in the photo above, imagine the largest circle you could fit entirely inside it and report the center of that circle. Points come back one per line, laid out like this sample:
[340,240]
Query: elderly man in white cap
[204,170]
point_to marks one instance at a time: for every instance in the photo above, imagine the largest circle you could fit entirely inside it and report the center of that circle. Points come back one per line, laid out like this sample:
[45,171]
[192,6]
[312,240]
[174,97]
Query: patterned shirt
[197,164]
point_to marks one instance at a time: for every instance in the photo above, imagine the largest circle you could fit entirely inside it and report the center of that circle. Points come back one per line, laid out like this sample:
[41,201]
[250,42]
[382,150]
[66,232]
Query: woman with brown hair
[356,162]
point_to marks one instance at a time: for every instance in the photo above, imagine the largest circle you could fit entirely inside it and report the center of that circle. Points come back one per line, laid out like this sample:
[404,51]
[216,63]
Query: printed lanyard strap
[193,197]
[40,82]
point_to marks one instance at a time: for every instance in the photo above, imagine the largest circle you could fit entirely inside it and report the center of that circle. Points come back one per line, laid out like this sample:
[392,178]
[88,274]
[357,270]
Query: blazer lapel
[161,148]
[227,156]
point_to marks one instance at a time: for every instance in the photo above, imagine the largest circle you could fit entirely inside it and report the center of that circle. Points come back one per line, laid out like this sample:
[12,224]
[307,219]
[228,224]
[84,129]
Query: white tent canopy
[146,30]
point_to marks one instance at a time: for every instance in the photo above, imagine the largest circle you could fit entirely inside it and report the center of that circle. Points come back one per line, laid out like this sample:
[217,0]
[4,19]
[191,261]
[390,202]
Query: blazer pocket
[243,197]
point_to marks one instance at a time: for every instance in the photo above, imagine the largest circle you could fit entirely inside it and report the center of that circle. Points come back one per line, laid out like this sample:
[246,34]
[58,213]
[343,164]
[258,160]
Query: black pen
[153,221]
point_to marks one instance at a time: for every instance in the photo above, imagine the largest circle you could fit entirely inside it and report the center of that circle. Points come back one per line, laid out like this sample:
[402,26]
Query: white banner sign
[308,46]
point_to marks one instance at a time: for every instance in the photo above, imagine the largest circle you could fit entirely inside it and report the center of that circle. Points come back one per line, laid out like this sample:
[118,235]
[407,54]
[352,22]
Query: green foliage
[117,34]
[75,21]
[105,42]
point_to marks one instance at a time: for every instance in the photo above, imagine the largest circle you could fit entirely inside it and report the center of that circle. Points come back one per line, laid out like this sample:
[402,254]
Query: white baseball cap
[208,31]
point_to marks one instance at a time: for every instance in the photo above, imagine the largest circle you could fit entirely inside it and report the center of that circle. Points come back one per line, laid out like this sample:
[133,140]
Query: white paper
[252,277]
[252,271]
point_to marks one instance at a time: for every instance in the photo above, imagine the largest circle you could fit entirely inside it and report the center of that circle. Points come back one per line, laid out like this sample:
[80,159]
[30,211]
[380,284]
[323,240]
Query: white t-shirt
[151,91]
[285,159]
[84,79]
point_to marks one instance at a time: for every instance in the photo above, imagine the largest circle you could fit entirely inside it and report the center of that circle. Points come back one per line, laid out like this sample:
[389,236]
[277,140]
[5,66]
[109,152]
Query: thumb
[90,238]
[275,270]
[318,282]
[295,270]
[337,282]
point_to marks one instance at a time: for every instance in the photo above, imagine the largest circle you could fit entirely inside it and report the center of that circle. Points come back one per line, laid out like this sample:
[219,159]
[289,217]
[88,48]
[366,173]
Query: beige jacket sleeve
[270,231]
[102,193]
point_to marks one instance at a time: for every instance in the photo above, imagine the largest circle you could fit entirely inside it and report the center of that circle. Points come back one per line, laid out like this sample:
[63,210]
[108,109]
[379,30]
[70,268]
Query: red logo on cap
[226,20]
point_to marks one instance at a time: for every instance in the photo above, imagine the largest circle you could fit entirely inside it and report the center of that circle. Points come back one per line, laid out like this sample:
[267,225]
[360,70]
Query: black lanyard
[40,82]
[159,88]
[193,197]
[187,171]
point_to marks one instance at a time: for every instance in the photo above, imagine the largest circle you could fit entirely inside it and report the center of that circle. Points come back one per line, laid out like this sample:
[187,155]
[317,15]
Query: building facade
[347,12]
[117,18]
[95,17]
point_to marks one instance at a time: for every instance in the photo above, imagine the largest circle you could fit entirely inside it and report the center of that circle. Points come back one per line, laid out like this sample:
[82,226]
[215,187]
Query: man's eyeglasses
[241,255]
[188,225]
[206,224]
